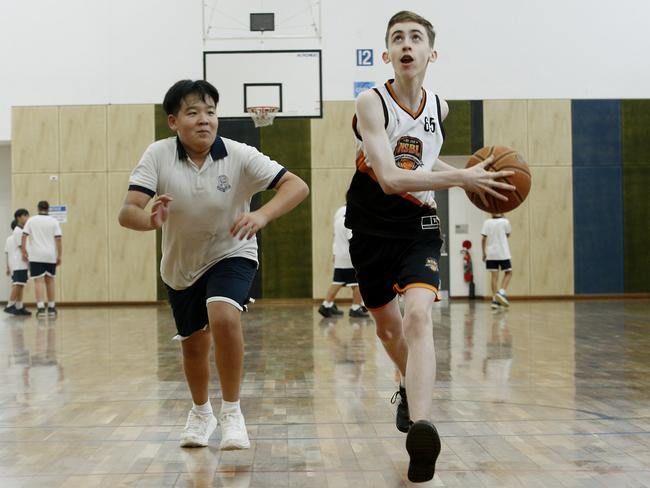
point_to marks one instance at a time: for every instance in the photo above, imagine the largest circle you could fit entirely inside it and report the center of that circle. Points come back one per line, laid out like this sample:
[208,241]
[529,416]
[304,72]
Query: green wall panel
[286,249]
[635,122]
[458,129]
[162,128]
[636,231]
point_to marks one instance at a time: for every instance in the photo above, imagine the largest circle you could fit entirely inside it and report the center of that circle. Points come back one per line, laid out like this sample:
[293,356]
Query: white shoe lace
[196,424]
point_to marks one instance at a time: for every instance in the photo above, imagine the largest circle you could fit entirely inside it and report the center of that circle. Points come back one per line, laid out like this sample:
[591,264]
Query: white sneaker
[198,429]
[233,431]
[502,298]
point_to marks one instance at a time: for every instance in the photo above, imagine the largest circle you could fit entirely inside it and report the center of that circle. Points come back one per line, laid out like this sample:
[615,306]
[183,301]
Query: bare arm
[59,249]
[23,248]
[134,216]
[483,242]
[370,123]
[290,191]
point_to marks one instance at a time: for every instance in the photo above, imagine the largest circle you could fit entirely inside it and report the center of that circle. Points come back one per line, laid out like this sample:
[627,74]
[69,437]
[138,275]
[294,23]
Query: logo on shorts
[408,153]
[223,185]
[432,264]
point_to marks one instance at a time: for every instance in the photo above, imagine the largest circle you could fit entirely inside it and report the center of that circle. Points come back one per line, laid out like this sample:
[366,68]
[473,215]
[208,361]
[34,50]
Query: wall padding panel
[328,194]
[505,123]
[130,131]
[83,138]
[333,144]
[458,129]
[596,132]
[549,132]
[635,118]
[85,239]
[35,140]
[551,231]
[636,228]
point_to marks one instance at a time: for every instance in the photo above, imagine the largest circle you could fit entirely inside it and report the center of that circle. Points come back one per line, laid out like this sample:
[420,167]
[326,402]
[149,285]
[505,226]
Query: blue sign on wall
[360,86]
[364,57]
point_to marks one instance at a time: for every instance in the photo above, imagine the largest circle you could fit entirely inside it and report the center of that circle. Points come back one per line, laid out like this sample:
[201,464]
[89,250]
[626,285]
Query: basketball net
[263,115]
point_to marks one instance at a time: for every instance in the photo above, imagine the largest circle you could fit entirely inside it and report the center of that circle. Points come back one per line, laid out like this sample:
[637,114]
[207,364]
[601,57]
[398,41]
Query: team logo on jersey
[224,184]
[408,153]
[432,264]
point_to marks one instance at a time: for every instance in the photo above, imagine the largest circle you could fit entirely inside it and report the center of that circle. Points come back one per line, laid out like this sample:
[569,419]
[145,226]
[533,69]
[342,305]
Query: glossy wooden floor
[546,394]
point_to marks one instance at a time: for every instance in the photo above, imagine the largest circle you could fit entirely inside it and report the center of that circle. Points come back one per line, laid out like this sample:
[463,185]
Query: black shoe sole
[403,427]
[423,446]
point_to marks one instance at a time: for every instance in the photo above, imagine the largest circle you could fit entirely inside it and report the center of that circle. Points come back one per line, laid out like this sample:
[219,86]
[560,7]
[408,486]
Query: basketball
[505,158]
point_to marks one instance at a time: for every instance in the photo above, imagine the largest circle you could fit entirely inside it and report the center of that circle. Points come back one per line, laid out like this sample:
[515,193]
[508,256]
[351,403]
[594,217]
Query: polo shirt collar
[217,151]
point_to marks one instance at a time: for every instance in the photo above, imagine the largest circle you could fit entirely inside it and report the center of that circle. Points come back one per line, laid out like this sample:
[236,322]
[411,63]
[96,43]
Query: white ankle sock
[327,304]
[19,305]
[204,409]
[51,304]
[355,306]
[40,305]
[232,407]
[502,291]
[9,304]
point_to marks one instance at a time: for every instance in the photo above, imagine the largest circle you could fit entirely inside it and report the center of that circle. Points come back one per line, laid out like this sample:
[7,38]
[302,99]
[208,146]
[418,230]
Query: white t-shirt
[12,248]
[341,244]
[41,231]
[497,231]
[206,203]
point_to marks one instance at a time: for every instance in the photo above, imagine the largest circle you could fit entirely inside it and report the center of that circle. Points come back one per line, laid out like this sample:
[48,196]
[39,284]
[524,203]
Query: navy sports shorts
[37,270]
[345,276]
[388,266]
[228,280]
[19,277]
[496,265]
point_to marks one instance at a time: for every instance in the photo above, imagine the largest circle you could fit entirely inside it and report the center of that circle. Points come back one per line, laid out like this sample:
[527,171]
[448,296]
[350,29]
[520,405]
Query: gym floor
[542,394]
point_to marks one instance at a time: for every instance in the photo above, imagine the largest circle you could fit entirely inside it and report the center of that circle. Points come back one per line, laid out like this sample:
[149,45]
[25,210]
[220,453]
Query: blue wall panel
[596,132]
[598,229]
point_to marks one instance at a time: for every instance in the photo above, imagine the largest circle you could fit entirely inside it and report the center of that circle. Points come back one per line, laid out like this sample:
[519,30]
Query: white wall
[6,215]
[123,51]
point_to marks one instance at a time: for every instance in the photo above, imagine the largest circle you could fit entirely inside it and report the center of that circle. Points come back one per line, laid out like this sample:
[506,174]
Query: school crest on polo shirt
[408,153]
[223,184]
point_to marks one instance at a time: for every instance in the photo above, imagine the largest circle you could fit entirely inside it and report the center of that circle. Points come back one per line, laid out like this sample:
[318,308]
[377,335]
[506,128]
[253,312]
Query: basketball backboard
[290,80]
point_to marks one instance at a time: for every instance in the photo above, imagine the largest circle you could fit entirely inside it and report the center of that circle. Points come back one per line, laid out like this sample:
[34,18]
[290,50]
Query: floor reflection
[546,393]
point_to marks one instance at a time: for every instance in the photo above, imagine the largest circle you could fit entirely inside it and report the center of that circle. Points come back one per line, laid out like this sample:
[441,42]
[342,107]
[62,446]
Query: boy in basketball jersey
[209,251]
[395,245]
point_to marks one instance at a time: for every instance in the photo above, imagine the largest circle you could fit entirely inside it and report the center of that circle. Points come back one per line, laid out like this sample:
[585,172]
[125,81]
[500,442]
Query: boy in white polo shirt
[209,250]
[16,267]
[42,247]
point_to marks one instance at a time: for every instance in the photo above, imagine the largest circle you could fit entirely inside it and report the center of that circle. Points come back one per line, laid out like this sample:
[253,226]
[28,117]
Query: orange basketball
[505,158]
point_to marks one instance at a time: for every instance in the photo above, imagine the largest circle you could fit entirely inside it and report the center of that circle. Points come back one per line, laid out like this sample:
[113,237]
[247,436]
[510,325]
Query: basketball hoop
[263,115]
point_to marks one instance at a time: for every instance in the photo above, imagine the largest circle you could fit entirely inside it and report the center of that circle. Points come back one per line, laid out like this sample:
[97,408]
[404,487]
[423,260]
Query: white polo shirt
[341,245]
[206,202]
[41,231]
[497,231]
[12,248]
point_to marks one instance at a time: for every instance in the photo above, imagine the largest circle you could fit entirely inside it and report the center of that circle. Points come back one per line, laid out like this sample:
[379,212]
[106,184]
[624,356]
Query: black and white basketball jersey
[416,139]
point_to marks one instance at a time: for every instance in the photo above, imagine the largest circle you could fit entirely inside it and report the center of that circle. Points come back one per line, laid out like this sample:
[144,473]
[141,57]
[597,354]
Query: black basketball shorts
[388,266]
[227,281]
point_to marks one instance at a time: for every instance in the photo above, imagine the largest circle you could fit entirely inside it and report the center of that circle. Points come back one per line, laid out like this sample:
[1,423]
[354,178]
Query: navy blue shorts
[38,270]
[227,281]
[345,277]
[19,277]
[496,265]
[388,266]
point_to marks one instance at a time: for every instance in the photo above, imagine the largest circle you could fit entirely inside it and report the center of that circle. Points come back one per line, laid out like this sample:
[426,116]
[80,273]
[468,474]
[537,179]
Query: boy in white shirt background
[496,254]
[16,267]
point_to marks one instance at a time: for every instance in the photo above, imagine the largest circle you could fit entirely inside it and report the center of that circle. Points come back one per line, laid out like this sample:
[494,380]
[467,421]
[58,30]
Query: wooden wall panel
[519,243]
[549,133]
[85,239]
[333,142]
[551,231]
[328,194]
[130,131]
[505,124]
[131,254]
[35,140]
[83,138]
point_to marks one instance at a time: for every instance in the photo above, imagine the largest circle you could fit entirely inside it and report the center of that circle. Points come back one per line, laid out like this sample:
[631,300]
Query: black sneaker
[336,311]
[40,312]
[402,417]
[359,312]
[423,446]
[11,309]
[22,311]
[51,312]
